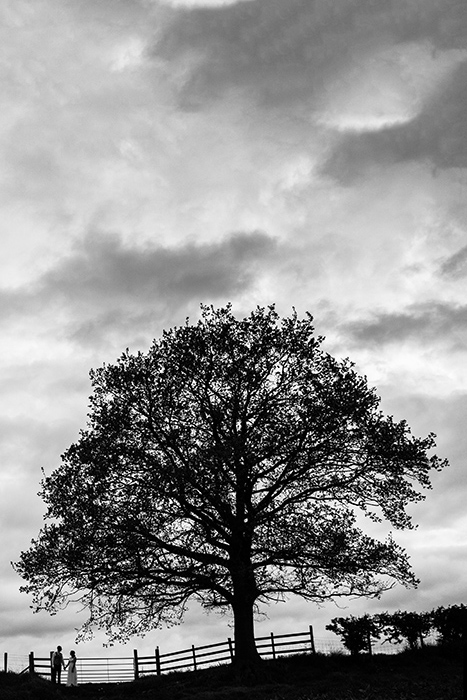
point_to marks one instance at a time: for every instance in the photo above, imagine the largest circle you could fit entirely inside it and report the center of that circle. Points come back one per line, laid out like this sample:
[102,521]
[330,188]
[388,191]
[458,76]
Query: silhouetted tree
[450,623]
[225,465]
[402,626]
[356,633]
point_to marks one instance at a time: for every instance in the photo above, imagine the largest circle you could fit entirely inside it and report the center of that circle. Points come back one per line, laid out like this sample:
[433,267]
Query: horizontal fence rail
[98,670]
[122,669]
[195,657]
[273,646]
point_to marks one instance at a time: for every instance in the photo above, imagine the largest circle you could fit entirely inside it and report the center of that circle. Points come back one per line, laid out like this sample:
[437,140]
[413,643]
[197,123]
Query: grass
[434,673]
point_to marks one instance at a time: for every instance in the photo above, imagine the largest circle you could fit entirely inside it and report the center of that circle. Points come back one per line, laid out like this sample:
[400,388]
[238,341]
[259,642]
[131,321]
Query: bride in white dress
[72,678]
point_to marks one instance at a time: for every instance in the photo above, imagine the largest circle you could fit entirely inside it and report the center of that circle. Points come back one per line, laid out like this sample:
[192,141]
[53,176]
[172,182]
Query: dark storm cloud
[423,322]
[438,135]
[282,52]
[104,282]
[105,269]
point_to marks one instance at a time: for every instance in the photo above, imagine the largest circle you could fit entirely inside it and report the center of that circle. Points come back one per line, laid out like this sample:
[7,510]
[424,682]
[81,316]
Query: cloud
[103,267]
[104,284]
[424,323]
[281,53]
[356,86]
[438,134]
[455,266]
[258,47]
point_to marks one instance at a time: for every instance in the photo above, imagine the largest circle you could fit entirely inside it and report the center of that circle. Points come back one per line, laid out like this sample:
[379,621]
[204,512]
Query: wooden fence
[101,670]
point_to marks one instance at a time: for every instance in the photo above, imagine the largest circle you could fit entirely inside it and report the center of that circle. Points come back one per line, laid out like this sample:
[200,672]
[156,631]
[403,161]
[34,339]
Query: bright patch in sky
[386,88]
[128,55]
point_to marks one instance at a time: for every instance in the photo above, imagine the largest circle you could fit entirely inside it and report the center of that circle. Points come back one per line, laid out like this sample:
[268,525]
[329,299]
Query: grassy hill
[434,673]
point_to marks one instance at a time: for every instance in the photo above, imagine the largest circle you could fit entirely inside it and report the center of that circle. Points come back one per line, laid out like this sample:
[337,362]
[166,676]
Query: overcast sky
[156,154]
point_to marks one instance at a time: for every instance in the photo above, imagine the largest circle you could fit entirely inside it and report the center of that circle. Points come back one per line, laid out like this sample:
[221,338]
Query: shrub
[450,623]
[401,626]
[356,633]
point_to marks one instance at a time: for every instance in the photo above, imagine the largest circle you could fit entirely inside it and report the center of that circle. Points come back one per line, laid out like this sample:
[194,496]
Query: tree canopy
[227,465]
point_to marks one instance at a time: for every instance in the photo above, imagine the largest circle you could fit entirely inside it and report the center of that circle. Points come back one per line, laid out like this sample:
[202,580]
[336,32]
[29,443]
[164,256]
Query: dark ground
[434,673]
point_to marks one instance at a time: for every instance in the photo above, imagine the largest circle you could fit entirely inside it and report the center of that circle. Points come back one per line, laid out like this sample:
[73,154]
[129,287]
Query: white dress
[72,678]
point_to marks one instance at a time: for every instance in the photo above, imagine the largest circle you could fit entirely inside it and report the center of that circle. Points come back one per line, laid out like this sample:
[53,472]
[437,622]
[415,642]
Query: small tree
[450,623]
[356,633]
[401,626]
[225,465]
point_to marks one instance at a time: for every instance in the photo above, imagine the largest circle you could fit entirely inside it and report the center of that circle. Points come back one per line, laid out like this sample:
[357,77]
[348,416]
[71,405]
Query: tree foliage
[356,633]
[226,464]
[450,623]
[402,626]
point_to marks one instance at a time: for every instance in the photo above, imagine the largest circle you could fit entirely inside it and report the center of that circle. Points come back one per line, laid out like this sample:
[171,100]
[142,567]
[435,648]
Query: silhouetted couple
[58,663]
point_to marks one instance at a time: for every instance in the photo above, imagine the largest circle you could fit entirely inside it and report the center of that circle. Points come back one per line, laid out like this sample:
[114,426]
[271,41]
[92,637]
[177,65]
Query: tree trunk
[245,590]
[246,654]
[245,593]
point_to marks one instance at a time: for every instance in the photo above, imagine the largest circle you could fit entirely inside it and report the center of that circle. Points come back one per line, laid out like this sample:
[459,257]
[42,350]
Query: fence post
[312,640]
[5,662]
[229,641]
[158,662]
[135,663]
[272,646]
[31,662]
[194,656]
